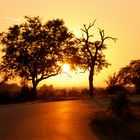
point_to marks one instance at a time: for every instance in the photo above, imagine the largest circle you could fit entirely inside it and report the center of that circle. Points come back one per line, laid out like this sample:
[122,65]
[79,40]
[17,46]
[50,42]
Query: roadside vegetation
[119,121]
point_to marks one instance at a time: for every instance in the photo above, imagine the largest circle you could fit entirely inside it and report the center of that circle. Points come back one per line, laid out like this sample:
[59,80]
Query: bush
[46,92]
[119,107]
[116,89]
[73,92]
[105,125]
[24,95]
[4,97]
[118,122]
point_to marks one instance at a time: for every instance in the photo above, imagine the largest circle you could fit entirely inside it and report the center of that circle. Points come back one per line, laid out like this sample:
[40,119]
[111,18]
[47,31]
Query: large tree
[34,50]
[91,52]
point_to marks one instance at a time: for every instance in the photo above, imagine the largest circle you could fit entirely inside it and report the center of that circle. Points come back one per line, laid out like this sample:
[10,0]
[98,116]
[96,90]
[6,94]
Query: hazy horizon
[120,19]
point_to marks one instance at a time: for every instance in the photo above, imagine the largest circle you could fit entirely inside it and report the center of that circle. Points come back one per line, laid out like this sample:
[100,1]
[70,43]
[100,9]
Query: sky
[119,19]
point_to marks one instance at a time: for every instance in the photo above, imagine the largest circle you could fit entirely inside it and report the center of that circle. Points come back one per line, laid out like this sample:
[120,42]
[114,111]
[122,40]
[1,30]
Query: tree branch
[103,38]
[84,70]
[67,74]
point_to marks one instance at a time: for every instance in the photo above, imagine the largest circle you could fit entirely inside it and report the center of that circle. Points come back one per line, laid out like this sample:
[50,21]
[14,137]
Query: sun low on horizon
[122,24]
[66,68]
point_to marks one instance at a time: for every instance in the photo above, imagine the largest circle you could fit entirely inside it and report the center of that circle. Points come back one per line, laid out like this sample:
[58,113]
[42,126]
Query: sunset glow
[69,69]
[66,68]
[119,19]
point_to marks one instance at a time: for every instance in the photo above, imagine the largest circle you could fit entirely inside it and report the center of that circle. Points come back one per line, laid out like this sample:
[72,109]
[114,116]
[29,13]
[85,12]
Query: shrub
[45,91]
[116,89]
[119,107]
[24,94]
[105,125]
[73,92]
[85,92]
[4,97]
[117,122]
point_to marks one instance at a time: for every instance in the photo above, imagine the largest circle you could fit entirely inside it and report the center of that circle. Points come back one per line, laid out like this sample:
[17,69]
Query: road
[61,120]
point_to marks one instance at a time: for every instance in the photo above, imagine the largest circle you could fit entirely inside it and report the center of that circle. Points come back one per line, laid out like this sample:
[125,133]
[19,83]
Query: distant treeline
[13,93]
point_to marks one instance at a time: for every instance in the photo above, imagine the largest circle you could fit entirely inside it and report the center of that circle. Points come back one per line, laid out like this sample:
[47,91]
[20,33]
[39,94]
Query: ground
[61,120]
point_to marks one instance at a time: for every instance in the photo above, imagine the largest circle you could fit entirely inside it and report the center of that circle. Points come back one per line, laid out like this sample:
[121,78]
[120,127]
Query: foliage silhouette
[130,75]
[46,91]
[4,97]
[117,121]
[119,107]
[34,50]
[126,76]
[114,85]
[91,55]
[24,95]
[113,80]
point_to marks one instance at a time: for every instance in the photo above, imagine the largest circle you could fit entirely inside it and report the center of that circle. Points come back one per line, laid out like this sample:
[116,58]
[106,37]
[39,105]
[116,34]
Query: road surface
[61,120]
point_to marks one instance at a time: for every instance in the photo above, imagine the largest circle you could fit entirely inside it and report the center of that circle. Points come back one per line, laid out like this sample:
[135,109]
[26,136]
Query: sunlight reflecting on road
[65,120]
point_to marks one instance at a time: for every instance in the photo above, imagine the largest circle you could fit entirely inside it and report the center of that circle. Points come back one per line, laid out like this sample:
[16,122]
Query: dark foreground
[63,120]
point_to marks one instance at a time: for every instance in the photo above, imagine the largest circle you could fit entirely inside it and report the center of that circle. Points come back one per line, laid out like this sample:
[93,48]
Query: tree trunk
[34,90]
[91,73]
[137,88]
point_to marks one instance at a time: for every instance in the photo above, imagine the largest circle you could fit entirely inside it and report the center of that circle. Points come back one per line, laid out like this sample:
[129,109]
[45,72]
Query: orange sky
[119,18]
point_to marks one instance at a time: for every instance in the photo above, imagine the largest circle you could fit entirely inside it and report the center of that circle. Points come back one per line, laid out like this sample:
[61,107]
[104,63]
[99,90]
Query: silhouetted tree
[34,50]
[130,74]
[91,53]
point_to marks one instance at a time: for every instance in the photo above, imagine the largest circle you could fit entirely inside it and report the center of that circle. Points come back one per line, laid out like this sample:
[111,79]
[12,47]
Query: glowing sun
[66,68]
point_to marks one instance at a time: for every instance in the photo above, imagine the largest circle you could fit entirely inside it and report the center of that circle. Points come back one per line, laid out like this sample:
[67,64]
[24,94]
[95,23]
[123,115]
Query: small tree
[91,53]
[130,74]
[34,50]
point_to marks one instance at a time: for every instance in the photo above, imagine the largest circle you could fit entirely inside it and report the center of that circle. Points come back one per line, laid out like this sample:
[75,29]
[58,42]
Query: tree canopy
[34,50]
[128,75]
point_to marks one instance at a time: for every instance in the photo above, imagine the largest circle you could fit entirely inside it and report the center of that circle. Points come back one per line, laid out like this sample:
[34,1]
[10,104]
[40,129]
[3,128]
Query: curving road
[63,120]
